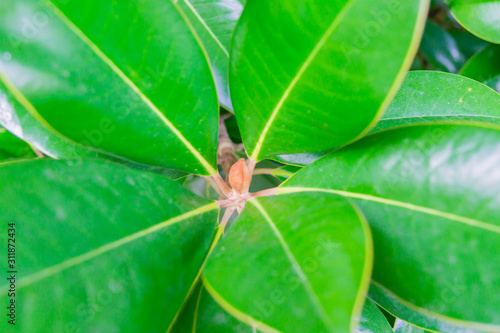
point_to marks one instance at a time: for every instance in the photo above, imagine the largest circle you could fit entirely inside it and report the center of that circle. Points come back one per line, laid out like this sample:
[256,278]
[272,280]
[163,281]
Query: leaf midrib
[241,316]
[328,33]
[296,266]
[205,25]
[82,258]
[21,99]
[391,202]
[468,324]
[130,83]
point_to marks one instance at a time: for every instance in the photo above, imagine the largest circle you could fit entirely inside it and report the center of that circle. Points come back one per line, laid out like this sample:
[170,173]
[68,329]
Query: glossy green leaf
[13,148]
[285,172]
[43,137]
[403,327]
[100,247]
[485,67]
[300,159]
[211,317]
[232,129]
[408,313]
[34,130]
[310,76]
[141,89]
[262,182]
[428,96]
[203,315]
[298,263]
[441,49]
[434,96]
[468,43]
[184,321]
[214,22]
[480,17]
[431,194]
[372,320]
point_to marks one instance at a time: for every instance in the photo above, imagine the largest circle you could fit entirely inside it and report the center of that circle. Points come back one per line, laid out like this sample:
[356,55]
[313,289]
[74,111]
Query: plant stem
[225,154]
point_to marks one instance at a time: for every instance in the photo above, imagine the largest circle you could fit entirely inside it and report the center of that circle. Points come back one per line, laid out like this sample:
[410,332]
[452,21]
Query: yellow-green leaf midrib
[72,262]
[296,266]
[401,204]
[486,328]
[205,25]
[99,53]
[319,45]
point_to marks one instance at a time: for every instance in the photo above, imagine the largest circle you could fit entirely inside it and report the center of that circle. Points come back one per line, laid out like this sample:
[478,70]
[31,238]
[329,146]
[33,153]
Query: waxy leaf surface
[100,247]
[299,263]
[214,22]
[13,148]
[403,327]
[441,49]
[431,194]
[427,96]
[202,314]
[373,320]
[128,79]
[484,67]
[480,17]
[309,76]
[407,312]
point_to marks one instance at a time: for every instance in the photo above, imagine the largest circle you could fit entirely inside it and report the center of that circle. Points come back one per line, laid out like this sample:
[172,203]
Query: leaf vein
[328,33]
[72,262]
[295,264]
[131,84]
[426,210]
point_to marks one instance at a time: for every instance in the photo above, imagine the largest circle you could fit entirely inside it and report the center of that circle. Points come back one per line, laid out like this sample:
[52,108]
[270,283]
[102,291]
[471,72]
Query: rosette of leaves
[398,212]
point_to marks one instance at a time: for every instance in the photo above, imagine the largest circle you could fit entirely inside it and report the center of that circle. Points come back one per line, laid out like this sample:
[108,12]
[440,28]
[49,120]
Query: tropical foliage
[250,166]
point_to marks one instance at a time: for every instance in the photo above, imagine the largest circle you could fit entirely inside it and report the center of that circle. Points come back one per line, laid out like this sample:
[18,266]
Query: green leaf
[372,320]
[214,22]
[13,148]
[100,247]
[185,320]
[300,159]
[468,43]
[141,89]
[203,315]
[298,263]
[403,327]
[485,67]
[408,313]
[431,195]
[26,124]
[313,76]
[263,182]
[428,96]
[232,129]
[480,17]
[435,96]
[43,137]
[441,49]
[285,172]
[211,317]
